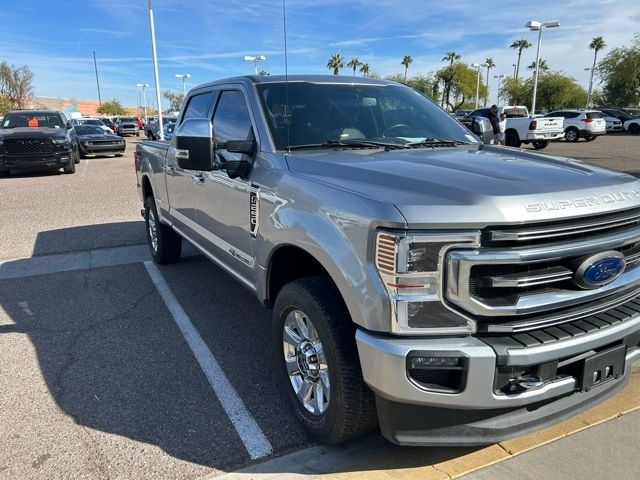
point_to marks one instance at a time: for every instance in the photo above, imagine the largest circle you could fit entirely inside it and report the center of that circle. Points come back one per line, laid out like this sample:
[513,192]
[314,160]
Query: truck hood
[29,132]
[472,186]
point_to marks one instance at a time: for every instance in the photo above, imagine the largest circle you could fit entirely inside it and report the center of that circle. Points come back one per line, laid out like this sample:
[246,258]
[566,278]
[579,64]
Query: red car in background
[140,123]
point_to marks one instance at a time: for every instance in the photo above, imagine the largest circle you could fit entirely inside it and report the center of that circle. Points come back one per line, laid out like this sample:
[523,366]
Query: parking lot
[100,374]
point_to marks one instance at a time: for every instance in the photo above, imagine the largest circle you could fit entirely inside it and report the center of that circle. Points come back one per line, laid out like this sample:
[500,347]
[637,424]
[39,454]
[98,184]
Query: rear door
[182,184]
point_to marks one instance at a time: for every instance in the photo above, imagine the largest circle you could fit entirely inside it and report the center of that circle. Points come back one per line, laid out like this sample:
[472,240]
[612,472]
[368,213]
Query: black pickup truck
[37,139]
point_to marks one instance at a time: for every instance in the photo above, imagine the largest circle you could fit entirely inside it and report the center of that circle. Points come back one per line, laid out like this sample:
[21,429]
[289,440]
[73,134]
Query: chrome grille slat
[529,279]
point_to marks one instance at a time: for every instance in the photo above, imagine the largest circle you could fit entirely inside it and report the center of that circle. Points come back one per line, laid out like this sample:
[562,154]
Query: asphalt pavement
[106,373]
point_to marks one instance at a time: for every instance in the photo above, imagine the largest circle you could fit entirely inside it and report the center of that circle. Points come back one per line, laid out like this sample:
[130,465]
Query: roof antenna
[287,117]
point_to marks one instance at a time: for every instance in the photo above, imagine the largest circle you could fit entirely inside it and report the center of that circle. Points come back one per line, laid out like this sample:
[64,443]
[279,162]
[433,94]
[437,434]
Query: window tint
[572,114]
[33,120]
[595,115]
[231,120]
[198,106]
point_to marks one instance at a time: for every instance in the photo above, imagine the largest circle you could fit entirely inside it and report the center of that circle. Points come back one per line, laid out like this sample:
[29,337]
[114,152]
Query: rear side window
[198,106]
[231,120]
[571,114]
[594,115]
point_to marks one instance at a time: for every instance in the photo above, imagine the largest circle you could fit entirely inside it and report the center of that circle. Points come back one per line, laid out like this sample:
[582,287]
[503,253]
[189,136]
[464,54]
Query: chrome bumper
[383,361]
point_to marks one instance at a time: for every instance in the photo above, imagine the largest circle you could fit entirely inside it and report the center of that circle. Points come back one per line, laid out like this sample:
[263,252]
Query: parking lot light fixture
[536,26]
[144,98]
[255,59]
[589,69]
[478,66]
[499,77]
[184,77]
[155,69]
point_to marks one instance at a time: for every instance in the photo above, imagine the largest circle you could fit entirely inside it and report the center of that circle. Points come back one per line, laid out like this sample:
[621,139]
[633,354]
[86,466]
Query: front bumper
[103,149]
[128,131]
[584,133]
[36,160]
[410,414]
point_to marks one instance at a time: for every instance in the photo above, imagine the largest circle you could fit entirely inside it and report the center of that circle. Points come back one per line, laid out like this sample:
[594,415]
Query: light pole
[589,69]
[514,69]
[155,70]
[538,26]
[255,59]
[95,65]
[478,66]
[184,77]
[144,98]
[499,77]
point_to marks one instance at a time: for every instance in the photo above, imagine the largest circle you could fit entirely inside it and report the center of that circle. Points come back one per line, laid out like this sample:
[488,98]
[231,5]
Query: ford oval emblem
[598,270]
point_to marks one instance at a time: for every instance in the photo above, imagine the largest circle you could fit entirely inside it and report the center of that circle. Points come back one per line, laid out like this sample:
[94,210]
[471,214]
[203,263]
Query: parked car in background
[37,139]
[613,124]
[632,126]
[126,126]
[94,141]
[139,122]
[168,130]
[91,121]
[523,129]
[460,113]
[587,124]
[109,122]
[151,129]
[632,112]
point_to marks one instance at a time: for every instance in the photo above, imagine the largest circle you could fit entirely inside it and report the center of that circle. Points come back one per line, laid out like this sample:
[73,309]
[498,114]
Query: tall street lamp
[534,25]
[478,66]
[184,77]
[95,64]
[255,59]
[144,97]
[155,69]
[514,69]
[589,69]
[499,77]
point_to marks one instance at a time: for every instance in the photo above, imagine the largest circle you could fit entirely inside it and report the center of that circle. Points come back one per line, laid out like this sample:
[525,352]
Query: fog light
[444,372]
[433,362]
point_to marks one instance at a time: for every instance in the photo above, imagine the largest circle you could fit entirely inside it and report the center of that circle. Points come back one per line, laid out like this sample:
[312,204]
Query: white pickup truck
[521,128]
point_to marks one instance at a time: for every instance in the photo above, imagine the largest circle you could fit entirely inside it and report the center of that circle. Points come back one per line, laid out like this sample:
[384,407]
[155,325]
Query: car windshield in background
[32,119]
[127,120]
[89,130]
[342,114]
[92,122]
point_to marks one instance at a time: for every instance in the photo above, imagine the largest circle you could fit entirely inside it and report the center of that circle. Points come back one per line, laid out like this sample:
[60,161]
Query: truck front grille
[24,146]
[526,277]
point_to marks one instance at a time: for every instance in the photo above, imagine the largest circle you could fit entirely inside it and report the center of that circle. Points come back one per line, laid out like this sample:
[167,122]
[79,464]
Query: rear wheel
[315,348]
[572,135]
[634,128]
[540,144]
[512,139]
[591,138]
[165,244]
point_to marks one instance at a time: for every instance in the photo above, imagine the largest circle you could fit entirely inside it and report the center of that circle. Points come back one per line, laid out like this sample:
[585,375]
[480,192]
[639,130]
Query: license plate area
[603,367]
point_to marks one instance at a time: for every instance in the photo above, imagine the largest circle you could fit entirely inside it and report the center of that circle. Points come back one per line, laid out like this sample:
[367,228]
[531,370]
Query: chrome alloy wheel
[306,362]
[152,226]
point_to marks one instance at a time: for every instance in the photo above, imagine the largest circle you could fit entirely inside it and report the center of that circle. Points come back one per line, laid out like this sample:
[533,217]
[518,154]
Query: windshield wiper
[349,144]
[433,142]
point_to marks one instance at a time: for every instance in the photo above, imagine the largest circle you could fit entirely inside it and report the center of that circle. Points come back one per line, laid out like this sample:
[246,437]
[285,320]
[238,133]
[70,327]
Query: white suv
[587,124]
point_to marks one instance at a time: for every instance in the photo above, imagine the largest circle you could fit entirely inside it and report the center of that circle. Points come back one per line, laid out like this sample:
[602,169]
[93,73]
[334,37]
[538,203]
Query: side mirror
[194,144]
[482,127]
[240,166]
[69,126]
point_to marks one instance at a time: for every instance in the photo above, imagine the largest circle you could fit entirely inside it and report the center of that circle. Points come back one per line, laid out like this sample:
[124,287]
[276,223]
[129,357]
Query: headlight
[410,265]
[60,141]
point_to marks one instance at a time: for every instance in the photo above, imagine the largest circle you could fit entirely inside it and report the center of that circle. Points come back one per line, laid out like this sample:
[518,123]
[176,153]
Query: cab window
[198,106]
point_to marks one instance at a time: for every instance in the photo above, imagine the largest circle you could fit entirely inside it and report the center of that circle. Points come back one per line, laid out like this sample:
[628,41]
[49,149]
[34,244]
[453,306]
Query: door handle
[198,178]
[182,154]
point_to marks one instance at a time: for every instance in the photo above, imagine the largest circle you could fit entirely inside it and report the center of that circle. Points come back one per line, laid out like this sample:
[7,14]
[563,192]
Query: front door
[223,204]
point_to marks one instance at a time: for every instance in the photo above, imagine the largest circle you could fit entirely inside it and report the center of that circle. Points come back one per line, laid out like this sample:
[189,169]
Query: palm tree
[597,43]
[520,45]
[543,65]
[451,57]
[354,63]
[489,63]
[263,72]
[406,61]
[364,68]
[335,63]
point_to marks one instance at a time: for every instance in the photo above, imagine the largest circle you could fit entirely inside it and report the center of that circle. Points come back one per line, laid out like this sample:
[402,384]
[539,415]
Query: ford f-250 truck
[448,291]
[37,139]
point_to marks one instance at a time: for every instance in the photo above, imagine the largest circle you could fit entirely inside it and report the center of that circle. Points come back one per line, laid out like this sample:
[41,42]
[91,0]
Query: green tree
[459,82]
[406,61]
[16,83]
[490,64]
[354,63]
[335,63]
[519,45]
[175,100]
[619,71]
[425,84]
[597,44]
[5,104]
[543,66]
[364,69]
[557,90]
[263,72]
[451,57]
[518,91]
[112,107]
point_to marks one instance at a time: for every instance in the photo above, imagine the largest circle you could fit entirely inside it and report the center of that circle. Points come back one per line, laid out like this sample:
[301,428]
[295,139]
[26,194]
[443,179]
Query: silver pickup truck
[447,291]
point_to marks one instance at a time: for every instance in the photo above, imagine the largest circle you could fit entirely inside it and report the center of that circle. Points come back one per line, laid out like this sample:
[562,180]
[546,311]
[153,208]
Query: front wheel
[572,135]
[591,139]
[315,348]
[71,167]
[165,244]
[540,144]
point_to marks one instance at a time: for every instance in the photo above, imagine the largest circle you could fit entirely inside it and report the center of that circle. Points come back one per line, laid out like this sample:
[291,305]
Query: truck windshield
[32,119]
[322,114]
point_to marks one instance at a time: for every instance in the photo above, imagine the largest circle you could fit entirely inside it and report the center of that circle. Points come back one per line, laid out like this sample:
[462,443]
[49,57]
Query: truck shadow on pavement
[114,361]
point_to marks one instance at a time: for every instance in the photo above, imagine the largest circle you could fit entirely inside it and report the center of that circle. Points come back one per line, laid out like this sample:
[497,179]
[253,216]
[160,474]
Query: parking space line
[254,440]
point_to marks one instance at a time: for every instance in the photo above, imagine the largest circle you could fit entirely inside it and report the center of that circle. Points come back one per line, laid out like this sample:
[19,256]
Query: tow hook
[526,383]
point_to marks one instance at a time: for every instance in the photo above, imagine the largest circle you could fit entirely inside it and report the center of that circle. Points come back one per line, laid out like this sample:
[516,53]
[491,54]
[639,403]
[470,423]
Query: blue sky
[208,38]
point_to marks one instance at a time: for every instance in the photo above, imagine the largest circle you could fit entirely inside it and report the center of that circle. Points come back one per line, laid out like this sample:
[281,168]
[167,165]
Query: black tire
[351,410]
[4,173]
[169,244]
[540,144]
[512,139]
[137,133]
[571,134]
[76,155]
[591,138]
[71,168]
[119,154]
[634,128]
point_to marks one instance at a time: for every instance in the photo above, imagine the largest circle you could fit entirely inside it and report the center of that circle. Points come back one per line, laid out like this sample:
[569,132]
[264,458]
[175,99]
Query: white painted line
[84,170]
[250,433]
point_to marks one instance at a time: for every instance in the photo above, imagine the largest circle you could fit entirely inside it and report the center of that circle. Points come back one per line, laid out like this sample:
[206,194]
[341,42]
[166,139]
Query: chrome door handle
[198,178]
[182,154]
